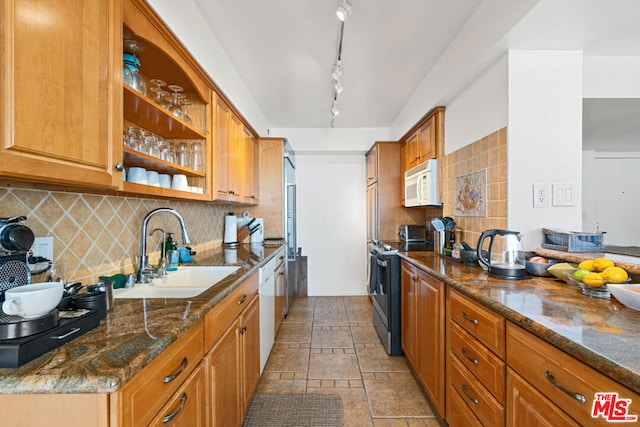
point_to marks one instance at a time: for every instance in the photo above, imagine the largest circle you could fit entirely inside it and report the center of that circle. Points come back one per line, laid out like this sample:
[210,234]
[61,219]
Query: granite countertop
[134,332]
[602,333]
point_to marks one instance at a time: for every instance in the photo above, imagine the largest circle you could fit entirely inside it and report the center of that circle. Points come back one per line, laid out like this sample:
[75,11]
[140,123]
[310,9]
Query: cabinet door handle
[242,300]
[466,354]
[183,402]
[465,316]
[172,377]
[243,330]
[577,396]
[473,399]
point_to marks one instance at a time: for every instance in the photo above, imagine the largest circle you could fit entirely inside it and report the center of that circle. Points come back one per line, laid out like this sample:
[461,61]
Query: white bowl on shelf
[165,180]
[152,179]
[137,175]
[180,182]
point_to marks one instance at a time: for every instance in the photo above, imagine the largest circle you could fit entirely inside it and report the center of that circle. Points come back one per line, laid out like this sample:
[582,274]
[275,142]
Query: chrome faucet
[144,268]
[162,265]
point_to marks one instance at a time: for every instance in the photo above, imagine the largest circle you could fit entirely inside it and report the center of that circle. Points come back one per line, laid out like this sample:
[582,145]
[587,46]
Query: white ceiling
[284,50]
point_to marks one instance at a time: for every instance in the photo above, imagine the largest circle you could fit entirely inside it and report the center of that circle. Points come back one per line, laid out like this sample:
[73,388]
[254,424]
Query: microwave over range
[420,185]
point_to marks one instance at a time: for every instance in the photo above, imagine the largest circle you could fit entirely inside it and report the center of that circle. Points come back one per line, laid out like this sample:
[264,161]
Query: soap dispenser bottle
[172,253]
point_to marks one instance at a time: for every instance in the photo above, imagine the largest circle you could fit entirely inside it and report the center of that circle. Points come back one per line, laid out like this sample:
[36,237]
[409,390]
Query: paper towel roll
[230,229]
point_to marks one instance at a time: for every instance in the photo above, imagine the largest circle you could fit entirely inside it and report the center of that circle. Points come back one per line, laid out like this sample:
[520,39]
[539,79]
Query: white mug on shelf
[165,180]
[180,182]
[152,179]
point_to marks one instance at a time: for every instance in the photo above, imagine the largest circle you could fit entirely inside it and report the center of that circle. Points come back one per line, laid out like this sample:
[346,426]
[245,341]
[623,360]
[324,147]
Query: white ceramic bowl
[180,182]
[137,175]
[165,180]
[626,294]
[153,179]
[32,301]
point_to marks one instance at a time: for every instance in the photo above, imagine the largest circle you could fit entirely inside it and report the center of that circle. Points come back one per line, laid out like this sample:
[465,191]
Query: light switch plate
[563,194]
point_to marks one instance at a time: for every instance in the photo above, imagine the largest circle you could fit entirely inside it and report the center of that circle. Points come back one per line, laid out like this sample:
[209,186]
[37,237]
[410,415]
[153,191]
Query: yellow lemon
[586,265]
[579,274]
[602,264]
[615,274]
[593,279]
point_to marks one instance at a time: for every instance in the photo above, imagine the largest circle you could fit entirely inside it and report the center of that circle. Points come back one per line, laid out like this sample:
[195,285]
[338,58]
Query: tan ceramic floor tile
[354,405]
[330,319]
[300,315]
[406,422]
[364,334]
[296,303]
[287,360]
[270,386]
[377,360]
[333,366]
[396,398]
[330,304]
[330,338]
[294,333]
[360,316]
[360,301]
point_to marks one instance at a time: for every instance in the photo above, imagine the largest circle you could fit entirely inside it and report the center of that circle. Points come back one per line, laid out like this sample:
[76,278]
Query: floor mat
[280,410]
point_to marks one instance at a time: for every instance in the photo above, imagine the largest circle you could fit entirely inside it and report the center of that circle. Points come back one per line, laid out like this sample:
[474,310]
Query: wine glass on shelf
[138,83]
[156,88]
[176,109]
[185,116]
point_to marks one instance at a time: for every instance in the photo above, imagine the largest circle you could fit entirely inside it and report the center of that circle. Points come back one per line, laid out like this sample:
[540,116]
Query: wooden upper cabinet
[60,102]
[249,169]
[372,166]
[425,140]
[162,57]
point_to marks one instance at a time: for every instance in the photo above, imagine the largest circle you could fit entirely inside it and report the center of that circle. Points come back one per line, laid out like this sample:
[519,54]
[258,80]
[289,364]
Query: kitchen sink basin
[187,282]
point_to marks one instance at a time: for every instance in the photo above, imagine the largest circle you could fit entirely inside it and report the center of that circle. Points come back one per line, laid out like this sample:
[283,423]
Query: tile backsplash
[488,153]
[100,235]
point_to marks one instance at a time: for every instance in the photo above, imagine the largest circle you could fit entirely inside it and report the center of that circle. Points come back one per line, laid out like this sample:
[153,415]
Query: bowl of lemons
[594,275]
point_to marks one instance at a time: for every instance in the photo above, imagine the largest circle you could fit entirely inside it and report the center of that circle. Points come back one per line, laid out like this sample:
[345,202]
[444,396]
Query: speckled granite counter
[133,333]
[602,333]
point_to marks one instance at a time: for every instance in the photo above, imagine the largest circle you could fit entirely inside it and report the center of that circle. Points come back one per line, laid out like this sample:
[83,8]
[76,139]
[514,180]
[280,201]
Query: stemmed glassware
[160,93]
[135,79]
[176,109]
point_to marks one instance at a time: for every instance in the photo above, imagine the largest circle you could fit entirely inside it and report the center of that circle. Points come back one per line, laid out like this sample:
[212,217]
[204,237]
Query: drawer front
[187,407]
[488,410]
[486,366]
[222,315]
[142,397]
[483,324]
[564,380]
[526,407]
[458,413]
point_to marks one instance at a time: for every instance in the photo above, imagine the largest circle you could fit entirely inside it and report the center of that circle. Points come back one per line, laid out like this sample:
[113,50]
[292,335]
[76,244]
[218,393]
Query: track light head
[337,71]
[337,87]
[344,10]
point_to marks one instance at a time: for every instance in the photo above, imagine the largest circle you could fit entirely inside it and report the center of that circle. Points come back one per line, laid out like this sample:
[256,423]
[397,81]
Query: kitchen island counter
[602,333]
[133,333]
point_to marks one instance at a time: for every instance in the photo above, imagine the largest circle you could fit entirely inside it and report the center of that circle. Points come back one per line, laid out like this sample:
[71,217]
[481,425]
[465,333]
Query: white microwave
[420,185]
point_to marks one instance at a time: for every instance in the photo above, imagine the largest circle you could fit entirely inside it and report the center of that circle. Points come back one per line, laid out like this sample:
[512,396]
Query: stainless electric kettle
[505,254]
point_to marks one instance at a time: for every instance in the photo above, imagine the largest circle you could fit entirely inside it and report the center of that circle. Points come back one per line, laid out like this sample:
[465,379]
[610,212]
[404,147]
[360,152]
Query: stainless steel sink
[187,282]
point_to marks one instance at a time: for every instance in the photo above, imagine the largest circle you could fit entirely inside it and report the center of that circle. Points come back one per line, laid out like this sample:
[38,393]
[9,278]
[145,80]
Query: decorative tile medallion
[471,194]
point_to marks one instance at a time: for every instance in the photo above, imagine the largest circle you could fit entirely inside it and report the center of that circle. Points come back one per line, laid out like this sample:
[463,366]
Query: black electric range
[22,340]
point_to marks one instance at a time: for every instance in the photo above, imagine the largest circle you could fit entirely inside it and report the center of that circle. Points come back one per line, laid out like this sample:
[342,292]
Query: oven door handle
[382,263]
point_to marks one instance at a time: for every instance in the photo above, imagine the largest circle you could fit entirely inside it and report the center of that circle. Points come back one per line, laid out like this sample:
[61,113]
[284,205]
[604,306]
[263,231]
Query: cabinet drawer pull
[577,396]
[473,399]
[172,377]
[466,317]
[242,300]
[183,401]
[466,354]
[243,330]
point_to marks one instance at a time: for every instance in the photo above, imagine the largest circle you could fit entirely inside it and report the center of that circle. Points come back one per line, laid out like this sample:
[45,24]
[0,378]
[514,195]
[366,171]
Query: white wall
[544,138]
[331,197]
[611,77]
[186,22]
[331,205]
[479,110]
